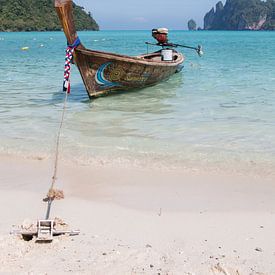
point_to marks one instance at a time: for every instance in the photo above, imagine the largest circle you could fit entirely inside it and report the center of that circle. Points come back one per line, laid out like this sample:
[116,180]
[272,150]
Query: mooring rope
[53,193]
[54,178]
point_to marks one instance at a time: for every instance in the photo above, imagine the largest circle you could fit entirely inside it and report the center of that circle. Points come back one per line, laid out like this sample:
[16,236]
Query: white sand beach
[176,178]
[139,220]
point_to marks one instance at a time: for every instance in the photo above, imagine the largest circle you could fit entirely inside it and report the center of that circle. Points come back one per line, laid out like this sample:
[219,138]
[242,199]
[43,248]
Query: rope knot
[54,194]
[76,43]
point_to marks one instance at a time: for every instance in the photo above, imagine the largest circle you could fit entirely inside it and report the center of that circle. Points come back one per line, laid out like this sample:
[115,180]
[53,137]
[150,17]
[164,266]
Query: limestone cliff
[241,15]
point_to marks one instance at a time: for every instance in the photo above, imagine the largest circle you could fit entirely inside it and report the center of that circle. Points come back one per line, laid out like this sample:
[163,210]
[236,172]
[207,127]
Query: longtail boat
[103,72]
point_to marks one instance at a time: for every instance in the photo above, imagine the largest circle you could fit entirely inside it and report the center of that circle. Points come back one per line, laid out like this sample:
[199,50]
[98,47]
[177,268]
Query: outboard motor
[161,35]
[167,52]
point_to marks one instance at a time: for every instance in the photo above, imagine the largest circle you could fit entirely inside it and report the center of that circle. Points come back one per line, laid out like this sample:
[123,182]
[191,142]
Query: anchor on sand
[45,230]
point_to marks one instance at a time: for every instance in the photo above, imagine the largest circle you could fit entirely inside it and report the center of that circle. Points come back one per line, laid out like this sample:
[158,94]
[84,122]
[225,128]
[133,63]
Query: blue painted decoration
[101,80]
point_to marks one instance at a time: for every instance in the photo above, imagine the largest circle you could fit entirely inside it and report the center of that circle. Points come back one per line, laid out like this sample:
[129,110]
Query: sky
[146,14]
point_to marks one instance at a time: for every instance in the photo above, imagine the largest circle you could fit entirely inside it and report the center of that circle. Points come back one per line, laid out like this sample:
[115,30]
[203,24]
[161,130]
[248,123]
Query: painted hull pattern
[104,72]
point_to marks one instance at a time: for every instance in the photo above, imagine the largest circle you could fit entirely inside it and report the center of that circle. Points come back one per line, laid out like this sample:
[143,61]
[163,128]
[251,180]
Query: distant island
[241,15]
[29,15]
[192,25]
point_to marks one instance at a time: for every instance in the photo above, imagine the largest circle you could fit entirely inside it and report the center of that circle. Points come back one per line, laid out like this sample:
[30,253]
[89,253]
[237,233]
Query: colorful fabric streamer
[68,60]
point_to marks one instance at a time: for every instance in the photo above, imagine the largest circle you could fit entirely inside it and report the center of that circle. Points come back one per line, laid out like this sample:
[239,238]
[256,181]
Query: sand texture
[139,221]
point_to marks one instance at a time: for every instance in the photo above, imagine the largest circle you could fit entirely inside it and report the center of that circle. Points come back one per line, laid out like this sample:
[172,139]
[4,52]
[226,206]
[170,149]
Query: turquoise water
[219,111]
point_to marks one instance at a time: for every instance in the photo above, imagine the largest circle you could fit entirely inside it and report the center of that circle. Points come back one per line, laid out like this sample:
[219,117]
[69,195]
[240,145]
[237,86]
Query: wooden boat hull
[104,72]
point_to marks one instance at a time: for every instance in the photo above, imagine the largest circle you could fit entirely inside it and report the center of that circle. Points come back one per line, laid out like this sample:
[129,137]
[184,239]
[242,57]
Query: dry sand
[139,221]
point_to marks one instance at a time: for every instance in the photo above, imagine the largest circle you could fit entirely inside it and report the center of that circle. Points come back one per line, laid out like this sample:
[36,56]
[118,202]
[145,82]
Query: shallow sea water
[219,111]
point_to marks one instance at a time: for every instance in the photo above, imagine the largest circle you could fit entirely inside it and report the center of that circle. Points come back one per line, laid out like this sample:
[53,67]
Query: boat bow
[64,9]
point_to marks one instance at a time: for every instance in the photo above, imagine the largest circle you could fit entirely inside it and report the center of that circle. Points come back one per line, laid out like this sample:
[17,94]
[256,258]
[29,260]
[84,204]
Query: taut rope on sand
[53,193]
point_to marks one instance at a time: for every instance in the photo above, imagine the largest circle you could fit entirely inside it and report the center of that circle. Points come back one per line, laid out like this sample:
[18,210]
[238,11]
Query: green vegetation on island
[33,15]
[241,15]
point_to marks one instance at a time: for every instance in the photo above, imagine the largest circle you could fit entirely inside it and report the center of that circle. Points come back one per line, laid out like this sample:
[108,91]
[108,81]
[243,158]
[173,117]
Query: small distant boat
[103,72]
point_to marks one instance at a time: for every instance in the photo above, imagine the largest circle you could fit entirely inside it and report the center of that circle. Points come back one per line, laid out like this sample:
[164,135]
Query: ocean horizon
[218,112]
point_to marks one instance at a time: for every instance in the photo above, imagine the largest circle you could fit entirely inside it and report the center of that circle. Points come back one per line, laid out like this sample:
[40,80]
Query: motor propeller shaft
[199,49]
